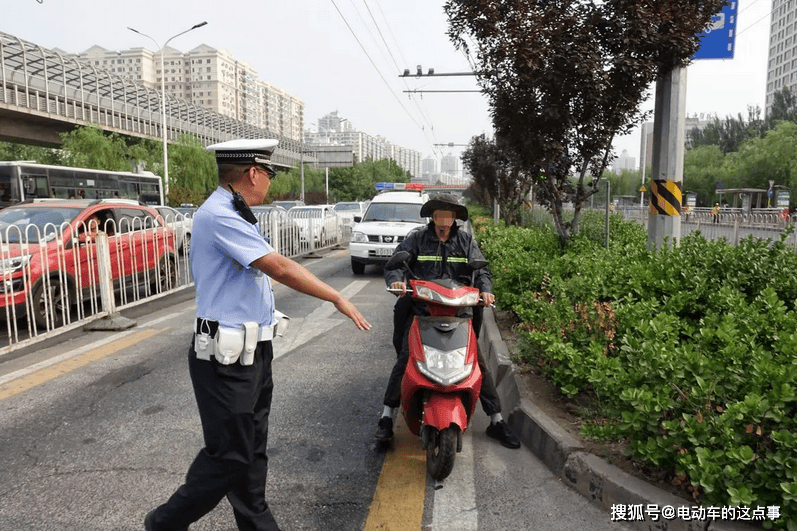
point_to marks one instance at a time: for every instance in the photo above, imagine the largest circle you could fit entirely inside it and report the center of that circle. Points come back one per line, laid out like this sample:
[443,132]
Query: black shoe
[148,522]
[502,432]
[384,430]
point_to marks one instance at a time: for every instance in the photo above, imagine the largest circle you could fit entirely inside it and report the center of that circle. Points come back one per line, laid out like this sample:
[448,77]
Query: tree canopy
[192,169]
[564,77]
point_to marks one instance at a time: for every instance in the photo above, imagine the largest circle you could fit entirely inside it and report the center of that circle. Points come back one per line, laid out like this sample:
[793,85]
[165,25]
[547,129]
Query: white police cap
[245,151]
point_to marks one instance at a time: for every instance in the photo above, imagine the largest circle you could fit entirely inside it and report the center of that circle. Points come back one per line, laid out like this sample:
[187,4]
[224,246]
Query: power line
[753,24]
[379,72]
[423,114]
[372,63]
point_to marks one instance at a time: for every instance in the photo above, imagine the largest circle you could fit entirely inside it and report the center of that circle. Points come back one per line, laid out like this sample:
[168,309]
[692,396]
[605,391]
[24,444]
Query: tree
[192,170]
[563,77]
[496,176]
[42,155]
[729,134]
[784,107]
[773,157]
[90,147]
[704,168]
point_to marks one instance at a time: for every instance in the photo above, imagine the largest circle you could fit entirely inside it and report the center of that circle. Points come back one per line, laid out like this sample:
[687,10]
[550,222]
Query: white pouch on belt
[229,344]
[251,335]
[204,345]
[281,324]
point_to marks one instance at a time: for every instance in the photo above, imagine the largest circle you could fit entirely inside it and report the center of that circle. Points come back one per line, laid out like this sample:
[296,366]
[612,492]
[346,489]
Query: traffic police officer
[230,357]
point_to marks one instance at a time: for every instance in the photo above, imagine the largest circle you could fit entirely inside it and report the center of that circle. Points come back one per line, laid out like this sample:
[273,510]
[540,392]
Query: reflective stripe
[437,258]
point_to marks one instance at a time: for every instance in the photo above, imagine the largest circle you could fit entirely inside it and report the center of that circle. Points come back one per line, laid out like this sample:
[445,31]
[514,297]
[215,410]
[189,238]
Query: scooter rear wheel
[440,454]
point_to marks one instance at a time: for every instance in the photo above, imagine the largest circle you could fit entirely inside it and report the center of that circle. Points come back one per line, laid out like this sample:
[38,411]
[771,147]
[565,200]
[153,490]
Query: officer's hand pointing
[348,309]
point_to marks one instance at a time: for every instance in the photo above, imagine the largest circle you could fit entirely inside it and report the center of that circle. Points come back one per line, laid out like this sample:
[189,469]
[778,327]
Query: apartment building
[333,130]
[782,64]
[211,78]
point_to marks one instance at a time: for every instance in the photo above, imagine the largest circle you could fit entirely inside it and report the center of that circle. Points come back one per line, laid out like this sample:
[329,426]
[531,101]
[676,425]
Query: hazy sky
[347,55]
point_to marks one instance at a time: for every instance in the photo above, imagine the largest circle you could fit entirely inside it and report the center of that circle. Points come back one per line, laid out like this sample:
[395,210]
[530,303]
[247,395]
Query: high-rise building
[782,64]
[450,164]
[336,131]
[211,78]
[624,162]
[429,170]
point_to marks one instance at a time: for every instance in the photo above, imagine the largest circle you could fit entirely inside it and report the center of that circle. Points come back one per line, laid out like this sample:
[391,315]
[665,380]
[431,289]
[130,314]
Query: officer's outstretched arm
[288,272]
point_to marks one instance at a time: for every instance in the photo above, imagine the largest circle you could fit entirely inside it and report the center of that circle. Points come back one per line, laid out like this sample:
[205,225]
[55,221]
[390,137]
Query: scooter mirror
[477,264]
[397,260]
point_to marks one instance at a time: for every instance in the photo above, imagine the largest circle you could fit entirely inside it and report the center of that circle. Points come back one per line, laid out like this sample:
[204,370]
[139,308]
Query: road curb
[591,476]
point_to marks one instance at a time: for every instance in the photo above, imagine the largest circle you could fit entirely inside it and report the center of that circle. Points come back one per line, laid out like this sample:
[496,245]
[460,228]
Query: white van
[390,217]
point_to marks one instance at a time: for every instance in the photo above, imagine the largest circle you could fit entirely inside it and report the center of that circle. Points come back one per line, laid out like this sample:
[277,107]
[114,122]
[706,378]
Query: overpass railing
[48,82]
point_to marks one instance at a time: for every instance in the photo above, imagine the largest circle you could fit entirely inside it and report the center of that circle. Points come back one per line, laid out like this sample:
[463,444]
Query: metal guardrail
[50,278]
[47,82]
[303,230]
[733,225]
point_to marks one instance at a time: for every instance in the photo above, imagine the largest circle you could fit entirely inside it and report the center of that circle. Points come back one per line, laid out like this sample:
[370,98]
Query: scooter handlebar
[396,290]
[409,290]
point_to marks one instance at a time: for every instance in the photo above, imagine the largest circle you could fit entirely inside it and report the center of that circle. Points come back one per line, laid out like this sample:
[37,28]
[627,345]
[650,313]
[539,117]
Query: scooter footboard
[442,410]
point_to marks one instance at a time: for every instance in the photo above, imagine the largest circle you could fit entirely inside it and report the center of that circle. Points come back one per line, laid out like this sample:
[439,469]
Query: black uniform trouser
[403,312]
[234,402]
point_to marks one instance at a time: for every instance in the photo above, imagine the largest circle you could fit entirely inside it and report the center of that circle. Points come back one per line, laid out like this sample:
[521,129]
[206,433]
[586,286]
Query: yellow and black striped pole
[664,214]
[665,198]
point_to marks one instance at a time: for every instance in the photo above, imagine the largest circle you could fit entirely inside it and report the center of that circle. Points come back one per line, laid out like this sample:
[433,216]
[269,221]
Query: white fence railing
[303,230]
[731,224]
[50,274]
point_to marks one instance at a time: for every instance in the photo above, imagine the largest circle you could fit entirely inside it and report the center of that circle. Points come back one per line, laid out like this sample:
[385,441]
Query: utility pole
[664,214]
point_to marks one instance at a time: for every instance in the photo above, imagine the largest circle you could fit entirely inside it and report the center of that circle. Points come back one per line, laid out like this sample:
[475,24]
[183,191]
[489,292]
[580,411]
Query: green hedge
[689,352]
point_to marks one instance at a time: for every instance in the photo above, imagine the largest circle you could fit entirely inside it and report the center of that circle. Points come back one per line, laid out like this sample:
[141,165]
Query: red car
[48,255]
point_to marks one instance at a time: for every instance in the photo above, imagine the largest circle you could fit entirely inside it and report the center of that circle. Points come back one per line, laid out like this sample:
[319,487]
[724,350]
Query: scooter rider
[439,251]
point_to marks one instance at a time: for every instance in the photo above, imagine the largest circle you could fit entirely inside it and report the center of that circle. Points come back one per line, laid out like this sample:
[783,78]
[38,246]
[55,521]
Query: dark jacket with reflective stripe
[431,259]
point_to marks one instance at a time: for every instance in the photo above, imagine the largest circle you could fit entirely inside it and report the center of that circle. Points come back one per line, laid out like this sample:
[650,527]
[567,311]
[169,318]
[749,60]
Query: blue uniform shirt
[223,244]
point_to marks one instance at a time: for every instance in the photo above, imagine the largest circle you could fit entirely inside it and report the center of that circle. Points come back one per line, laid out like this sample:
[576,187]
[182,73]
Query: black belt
[206,326]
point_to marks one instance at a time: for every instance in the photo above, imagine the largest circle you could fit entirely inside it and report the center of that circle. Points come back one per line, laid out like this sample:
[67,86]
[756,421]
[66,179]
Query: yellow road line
[54,371]
[398,500]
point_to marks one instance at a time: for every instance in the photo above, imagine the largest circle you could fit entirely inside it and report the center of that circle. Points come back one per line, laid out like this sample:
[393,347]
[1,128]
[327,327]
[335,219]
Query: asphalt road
[97,428]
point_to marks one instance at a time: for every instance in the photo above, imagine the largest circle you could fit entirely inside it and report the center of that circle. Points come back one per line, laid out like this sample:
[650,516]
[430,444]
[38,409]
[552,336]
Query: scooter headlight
[428,294]
[445,367]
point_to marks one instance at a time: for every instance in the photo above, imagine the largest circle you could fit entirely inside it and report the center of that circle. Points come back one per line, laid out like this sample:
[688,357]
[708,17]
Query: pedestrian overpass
[44,92]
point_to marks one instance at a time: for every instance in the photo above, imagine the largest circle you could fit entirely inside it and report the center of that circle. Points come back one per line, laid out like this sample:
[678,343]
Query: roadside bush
[688,352]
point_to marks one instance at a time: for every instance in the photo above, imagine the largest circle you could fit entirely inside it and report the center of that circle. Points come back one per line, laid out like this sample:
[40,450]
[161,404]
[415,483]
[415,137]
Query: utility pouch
[251,335]
[229,344]
[282,323]
[204,346]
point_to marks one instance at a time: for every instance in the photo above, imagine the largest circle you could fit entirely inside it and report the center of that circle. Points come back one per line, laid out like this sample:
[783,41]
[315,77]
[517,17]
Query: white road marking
[319,321]
[65,356]
[455,503]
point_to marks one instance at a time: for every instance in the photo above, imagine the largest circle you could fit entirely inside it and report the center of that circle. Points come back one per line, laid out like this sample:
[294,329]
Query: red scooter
[442,380]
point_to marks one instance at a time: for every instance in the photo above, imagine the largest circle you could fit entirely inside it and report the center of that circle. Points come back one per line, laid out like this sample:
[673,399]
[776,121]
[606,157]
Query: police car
[390,217]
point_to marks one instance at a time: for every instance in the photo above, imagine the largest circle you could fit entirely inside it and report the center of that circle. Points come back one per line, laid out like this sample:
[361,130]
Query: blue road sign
[719,39]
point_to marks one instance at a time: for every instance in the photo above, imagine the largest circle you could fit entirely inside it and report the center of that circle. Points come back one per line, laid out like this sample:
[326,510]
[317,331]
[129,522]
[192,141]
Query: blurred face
[93,224]
[443,220]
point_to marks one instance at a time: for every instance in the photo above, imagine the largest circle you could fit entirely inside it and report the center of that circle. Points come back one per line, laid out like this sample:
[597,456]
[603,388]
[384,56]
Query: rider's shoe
[384,430]
[500,430]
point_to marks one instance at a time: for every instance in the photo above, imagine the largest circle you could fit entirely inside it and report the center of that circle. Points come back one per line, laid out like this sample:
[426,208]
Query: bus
[24,181]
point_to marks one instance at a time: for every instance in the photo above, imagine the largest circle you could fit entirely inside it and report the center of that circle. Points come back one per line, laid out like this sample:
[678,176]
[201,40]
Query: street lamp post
[163,104]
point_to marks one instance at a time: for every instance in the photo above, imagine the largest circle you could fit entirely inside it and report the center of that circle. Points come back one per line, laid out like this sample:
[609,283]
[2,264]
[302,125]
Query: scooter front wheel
[440,453]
